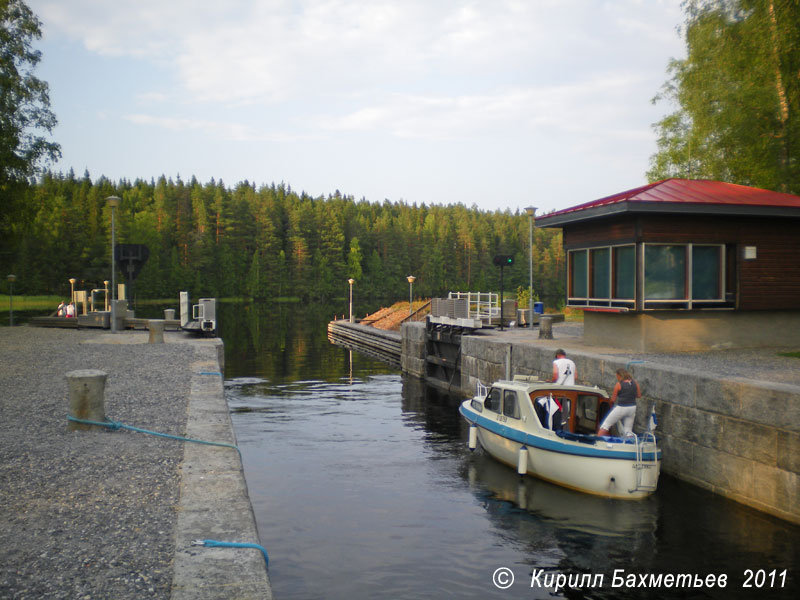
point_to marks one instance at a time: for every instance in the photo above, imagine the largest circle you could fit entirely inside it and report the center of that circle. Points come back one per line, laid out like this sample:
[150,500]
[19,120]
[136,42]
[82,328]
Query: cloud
[586,107]
[268,51]
[222,130]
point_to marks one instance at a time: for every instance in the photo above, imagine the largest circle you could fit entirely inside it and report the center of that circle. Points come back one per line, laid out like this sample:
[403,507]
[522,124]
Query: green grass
[31,302]
[790,354]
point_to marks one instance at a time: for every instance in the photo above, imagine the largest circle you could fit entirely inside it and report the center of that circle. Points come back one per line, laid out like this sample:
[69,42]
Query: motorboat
[547,430]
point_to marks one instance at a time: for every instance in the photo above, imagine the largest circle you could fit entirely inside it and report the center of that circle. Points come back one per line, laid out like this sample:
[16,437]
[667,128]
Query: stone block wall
[413,348]
[736,437]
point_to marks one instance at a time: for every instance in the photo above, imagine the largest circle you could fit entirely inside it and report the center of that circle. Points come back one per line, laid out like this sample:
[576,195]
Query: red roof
[685,192]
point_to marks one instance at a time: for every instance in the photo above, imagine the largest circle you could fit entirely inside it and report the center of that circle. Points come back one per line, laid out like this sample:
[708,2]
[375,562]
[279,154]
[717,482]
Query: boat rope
[218,544]
[210,373]
[115,425]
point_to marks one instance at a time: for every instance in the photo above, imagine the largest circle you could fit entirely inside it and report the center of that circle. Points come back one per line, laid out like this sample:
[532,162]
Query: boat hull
[604,468]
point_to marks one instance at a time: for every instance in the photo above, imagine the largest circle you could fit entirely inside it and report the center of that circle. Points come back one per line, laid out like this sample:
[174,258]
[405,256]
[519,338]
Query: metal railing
[476,306]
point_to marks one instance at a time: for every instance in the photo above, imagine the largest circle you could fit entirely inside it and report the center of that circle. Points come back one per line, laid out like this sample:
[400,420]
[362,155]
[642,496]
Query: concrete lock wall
[738,438]
[414,348]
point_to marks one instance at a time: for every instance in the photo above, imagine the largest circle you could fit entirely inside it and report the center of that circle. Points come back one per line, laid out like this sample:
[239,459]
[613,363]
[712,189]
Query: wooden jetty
[385,345]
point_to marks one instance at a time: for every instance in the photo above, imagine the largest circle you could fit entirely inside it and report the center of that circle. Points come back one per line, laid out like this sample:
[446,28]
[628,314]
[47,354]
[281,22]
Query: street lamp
[72,281]
[410,280]
[113,202]
[351,281]
[11,280]
[531,210]
[105,284]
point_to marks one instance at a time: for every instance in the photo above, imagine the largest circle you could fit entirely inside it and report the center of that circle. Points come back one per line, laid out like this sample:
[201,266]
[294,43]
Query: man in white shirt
[564,371]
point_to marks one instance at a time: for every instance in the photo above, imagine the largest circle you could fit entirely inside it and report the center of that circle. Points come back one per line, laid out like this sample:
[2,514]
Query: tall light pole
[410,280]
[531,210]
[113,202]
[72,281]
[351,281]
[11,279]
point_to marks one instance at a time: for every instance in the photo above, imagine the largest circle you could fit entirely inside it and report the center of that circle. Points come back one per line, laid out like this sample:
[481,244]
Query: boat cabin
[571,409]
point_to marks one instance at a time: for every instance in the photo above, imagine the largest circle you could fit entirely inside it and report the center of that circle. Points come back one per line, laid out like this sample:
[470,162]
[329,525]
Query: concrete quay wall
[736,437]
[214,501]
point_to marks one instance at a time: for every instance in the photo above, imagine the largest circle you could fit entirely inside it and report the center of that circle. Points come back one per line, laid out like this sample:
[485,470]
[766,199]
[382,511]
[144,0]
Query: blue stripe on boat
[528,439]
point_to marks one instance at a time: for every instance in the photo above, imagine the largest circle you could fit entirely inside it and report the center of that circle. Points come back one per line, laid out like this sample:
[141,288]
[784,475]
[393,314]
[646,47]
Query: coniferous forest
[267,242]
[735,96]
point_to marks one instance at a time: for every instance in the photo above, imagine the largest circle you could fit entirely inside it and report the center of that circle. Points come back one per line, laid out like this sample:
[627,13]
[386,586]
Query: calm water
[363,487]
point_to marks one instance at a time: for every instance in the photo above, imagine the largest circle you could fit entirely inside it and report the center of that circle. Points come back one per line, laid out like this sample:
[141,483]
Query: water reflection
[560,507]
[363,486]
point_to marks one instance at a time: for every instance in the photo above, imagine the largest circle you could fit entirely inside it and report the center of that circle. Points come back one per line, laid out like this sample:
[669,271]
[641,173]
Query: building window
[664,272]
[601,272]
[578,269]
[625,272]
[674,276]
[684,275]
[603,276]
[706,272]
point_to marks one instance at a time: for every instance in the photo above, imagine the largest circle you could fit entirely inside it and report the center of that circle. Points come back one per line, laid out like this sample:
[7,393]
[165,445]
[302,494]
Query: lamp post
[531,210]
[11,279]
[351,281]
[105,302]
[113,202]
[410,280]
[72,281]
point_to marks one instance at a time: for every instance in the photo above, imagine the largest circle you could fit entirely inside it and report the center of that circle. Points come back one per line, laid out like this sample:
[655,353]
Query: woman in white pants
[623,399]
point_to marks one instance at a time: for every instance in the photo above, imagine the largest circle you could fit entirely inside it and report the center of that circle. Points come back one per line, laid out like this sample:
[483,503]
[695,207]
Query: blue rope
[115,425]
[210,373]
[217,544]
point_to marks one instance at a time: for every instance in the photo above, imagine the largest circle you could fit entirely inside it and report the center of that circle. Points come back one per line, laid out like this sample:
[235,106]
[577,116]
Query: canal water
[363,487]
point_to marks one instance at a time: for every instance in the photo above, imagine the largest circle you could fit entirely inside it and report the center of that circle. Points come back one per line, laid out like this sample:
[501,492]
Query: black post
[501,260]
[501,297]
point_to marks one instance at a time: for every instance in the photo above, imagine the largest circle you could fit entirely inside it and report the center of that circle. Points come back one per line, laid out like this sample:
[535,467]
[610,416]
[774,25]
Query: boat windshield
[493,400]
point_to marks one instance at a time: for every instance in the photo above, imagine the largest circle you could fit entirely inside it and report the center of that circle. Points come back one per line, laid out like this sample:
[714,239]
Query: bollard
[156,327]
[86,397]
[545,328]
[169,314]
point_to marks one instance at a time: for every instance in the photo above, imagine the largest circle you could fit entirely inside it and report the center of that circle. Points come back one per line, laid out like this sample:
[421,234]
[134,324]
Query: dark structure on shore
[685,265]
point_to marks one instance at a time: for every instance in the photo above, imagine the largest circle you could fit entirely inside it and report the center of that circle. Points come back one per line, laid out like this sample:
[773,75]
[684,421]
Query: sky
[497,104]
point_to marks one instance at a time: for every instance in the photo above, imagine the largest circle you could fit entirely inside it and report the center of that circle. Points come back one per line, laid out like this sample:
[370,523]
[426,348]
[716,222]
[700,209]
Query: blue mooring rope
[215,543]
[115,425]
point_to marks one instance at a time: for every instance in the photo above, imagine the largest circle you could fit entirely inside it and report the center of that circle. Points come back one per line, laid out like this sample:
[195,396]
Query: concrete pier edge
[214,501]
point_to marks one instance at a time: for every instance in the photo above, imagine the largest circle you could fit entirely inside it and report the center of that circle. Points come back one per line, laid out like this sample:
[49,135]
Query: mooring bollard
[86,397]
[545,328]
[169,314]
[156,327]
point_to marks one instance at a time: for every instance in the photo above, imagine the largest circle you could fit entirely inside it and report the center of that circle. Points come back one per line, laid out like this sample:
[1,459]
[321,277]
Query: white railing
[480,305]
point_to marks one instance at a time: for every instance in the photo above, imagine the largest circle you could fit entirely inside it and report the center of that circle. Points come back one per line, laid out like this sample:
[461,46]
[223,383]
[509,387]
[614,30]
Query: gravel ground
[88,514]
[764,364]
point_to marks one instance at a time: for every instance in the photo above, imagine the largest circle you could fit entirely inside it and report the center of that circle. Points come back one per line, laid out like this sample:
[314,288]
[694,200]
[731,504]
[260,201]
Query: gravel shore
[88,514]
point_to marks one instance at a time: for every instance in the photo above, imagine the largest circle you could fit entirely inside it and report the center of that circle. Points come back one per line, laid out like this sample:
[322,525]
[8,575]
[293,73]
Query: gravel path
[88,514]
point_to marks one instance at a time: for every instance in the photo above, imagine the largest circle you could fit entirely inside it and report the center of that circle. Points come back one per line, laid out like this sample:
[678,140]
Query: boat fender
[473,437]
[522,460]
